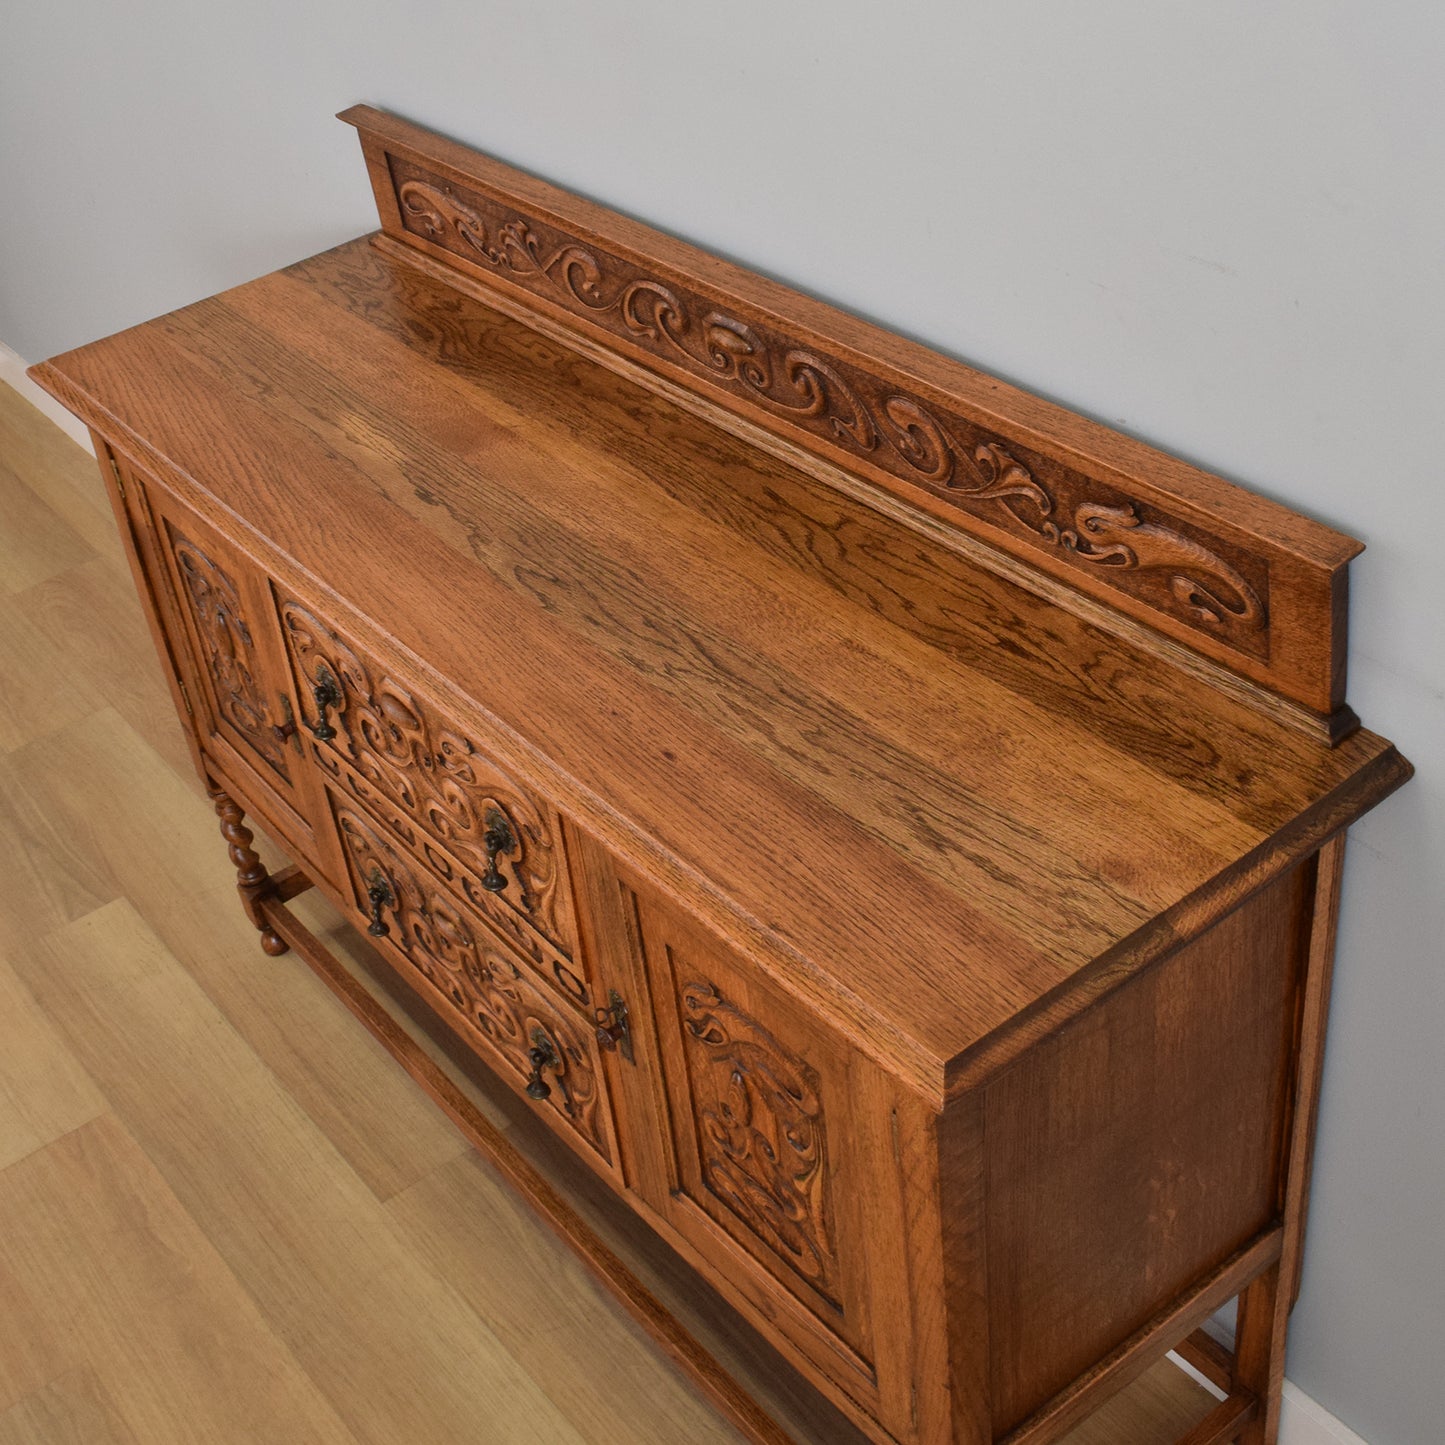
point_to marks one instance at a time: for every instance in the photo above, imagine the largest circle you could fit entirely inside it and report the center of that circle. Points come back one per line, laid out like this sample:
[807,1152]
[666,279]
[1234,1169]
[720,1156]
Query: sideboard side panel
[1140,1146]
[133,526]
[962,1187]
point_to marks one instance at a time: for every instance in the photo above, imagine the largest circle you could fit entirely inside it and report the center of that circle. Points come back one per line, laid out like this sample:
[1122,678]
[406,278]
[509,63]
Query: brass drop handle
[379,895]
[542,1055]
[325,694]
[498,838]
[614,1026]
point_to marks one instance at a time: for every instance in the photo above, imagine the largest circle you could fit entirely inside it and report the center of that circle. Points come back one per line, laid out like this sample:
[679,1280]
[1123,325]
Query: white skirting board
[1302,1421]
[12,371]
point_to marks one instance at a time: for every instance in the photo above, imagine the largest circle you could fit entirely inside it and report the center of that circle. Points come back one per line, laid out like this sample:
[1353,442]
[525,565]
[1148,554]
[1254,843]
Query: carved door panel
[220,622]
[769,1154]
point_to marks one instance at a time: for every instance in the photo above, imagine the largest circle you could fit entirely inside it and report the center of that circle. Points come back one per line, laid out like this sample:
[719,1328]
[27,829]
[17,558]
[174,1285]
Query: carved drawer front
[453,958]
[561,974]
[401,746]
[759,1098]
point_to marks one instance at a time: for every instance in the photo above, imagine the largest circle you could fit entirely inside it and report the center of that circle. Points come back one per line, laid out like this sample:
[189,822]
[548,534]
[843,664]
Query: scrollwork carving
[230,652]
[1107,535]
[1202,583]
[1119,537]
[761,1132]
[436,776]
[486,987]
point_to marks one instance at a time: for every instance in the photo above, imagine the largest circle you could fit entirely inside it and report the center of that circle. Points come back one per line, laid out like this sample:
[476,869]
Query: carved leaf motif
[435,775]
[760,1132]
[1003,476]
[855,410]
[651,310]
[1118,537]
[482,983]
[230,654]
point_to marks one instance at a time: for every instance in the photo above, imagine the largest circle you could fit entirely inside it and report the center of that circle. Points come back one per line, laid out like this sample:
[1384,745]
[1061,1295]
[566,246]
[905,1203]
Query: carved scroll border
[1191,577]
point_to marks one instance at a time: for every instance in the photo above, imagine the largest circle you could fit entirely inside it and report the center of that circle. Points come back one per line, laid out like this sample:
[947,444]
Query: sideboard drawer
[432,768]
[450,955]
[569,978]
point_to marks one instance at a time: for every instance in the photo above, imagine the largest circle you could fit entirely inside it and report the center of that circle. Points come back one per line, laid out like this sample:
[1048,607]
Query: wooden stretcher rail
[1224,1422]
[1149,1343]
[1209,1357]
[1049,1425]
[520,1173]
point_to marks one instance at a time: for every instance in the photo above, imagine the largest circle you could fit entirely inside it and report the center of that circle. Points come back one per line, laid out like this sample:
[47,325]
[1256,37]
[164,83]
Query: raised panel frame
[291,799]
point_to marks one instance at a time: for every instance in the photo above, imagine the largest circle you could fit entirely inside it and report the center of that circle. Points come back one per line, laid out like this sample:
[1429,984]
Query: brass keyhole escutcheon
[614,1026]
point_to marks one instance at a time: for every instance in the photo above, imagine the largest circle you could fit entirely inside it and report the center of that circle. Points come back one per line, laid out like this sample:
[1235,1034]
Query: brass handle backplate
[379,896]
[542,1055]
[498,838]
[325,694]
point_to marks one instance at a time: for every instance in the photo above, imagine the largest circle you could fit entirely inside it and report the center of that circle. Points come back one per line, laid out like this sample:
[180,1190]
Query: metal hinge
[286,731]
[115,472]
[614,1027]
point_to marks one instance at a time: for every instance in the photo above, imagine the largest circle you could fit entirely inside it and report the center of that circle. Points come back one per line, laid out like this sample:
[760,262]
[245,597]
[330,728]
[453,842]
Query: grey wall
[1215,224]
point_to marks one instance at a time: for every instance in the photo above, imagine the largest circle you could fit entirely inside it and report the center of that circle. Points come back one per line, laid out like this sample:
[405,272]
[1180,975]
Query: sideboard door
[773,1135]
[219,618]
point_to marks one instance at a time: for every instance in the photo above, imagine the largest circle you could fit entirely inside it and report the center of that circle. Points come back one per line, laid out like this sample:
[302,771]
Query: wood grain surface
[1214,566]
[933,803]
[231,1217]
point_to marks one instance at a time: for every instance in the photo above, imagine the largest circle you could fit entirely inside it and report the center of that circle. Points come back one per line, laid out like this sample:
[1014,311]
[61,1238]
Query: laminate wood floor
[225,1214]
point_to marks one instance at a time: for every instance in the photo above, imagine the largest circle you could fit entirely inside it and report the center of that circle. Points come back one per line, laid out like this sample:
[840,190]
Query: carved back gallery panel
[1199,579]
[759,1102]
[1248,585]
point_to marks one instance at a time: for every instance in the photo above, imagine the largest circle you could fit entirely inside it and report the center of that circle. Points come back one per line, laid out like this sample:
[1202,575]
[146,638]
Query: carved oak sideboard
[887,826]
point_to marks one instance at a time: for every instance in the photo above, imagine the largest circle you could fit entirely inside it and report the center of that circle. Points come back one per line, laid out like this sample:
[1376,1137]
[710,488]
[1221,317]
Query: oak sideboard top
[939,805]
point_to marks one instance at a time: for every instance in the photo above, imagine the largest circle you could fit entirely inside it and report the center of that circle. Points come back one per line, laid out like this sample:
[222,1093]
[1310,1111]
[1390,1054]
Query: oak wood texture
[174,1108]
[452,958]
[1265,1306]
[741,681]
[937,965]
[1174,1160]
[101,821]
[1206,562]
[537,1190]
[1201,1351]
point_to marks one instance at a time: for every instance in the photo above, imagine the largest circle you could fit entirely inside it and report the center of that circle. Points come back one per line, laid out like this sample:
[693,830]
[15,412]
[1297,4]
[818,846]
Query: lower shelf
[743,1377]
